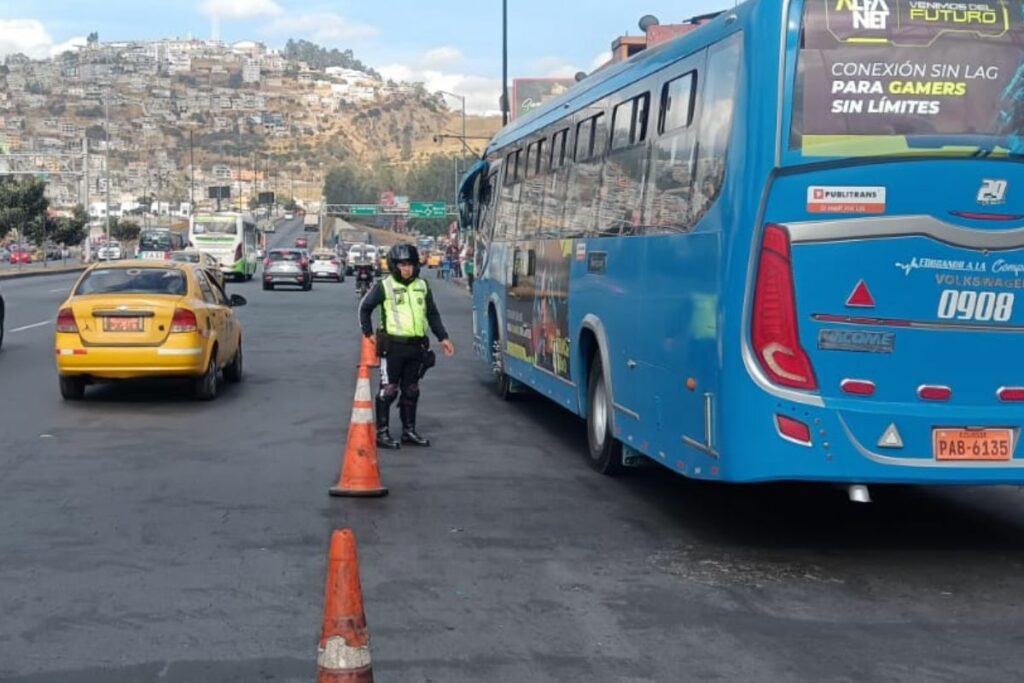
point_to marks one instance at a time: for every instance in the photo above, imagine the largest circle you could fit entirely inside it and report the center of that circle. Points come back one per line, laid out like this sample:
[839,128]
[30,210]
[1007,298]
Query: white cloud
[322,28]
[600,60]
[27,36]
[68,45]
[441,57]
[481,93]
[240,9]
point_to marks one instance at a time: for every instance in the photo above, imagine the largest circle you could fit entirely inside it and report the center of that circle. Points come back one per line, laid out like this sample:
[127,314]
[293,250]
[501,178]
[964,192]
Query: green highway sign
[363,210]
[428,209]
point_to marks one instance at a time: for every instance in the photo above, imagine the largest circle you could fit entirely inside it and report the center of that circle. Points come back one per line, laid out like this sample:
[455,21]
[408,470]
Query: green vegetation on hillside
[321,58]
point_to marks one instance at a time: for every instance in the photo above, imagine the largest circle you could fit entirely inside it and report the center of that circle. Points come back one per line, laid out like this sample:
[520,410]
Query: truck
[311,222]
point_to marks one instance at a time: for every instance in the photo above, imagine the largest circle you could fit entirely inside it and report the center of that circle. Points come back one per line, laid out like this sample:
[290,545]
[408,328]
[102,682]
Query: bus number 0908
[980,306]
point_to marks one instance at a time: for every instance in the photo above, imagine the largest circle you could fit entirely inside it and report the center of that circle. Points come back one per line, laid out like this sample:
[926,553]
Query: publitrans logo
[871,15]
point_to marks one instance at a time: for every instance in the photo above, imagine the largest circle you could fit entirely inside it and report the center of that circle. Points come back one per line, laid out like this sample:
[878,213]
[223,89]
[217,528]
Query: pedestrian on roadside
[469,268]
[407,310]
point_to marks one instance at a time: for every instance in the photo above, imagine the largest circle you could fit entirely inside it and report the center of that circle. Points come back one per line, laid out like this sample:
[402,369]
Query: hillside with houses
[237,114]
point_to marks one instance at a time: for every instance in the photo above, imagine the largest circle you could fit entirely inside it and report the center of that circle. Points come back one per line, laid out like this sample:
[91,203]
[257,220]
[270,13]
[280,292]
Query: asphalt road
[147,537]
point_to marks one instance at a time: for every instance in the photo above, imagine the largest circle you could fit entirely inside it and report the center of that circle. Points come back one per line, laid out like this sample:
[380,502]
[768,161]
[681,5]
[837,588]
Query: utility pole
[106,155]
[504,63]
[191,177]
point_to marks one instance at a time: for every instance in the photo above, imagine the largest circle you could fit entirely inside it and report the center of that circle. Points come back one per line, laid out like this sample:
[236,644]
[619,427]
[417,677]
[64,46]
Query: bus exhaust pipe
[858,493]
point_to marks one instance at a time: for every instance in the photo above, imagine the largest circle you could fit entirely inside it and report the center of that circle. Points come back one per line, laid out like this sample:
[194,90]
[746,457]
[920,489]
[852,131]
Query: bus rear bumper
[883,445]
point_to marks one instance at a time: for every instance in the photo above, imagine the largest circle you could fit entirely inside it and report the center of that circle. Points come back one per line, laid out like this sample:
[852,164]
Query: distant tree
[290,205]
[320,58]
[123,230]
[71,231]
[93,38]
[23,204]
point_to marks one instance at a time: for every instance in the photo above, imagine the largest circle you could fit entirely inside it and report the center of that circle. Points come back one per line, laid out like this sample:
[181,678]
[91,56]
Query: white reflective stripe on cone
[363,390]
[362,416]
[337,655]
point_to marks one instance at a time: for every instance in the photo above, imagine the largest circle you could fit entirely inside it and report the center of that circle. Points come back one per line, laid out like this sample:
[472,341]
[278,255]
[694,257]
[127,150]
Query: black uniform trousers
[400,369]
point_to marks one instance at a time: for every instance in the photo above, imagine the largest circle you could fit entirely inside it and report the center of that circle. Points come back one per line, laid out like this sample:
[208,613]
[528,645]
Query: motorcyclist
[364,270]
[407,310]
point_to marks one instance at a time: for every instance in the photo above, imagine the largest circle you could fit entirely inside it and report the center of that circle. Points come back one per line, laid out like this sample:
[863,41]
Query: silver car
[287,267]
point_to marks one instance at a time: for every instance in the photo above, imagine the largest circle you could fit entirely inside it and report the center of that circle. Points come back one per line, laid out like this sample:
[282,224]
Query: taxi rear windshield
[133,281]
[880,77]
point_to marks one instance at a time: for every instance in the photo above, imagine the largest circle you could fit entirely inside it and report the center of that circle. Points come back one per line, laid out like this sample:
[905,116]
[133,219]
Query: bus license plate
[972,444]
[122,324]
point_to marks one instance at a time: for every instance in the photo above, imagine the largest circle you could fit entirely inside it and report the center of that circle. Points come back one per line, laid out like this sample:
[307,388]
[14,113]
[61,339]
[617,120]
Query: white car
[326,264]
[111,251]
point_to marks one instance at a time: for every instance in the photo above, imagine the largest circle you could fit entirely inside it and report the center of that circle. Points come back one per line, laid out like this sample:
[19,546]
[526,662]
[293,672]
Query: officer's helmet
[403,252]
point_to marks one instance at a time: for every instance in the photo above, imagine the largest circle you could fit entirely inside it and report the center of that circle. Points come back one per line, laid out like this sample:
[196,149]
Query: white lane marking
[29,327]
[59,289]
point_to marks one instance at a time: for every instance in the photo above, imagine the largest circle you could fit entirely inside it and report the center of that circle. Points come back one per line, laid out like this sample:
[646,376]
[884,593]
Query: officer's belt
[406,340]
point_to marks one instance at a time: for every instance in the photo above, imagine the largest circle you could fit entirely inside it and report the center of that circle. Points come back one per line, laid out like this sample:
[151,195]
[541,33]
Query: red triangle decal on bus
[861,297]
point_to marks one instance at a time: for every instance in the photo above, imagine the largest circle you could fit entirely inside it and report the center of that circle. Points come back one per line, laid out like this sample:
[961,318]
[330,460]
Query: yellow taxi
[209,263]
[132,319]
[435,259]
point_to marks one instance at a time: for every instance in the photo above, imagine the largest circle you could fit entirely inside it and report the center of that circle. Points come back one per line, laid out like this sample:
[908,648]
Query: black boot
[384,439]
[409,435]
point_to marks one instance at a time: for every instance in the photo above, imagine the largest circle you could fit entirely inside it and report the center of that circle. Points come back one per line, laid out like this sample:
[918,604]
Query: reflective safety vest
[405,308]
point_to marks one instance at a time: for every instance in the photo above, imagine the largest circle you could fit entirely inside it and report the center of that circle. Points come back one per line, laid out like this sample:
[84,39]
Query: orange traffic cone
[343,655]
[368,356]
[360,475]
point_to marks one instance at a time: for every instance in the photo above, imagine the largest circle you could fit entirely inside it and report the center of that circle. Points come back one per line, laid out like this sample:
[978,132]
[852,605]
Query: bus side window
[667,205]
[719,101]
[624,169]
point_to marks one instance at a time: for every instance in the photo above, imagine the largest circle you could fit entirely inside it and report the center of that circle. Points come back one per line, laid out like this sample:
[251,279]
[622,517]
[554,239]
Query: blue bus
[783,246]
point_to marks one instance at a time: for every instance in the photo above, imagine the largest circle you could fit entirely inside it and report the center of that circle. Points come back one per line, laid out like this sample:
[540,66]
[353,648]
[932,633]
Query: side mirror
[237,300]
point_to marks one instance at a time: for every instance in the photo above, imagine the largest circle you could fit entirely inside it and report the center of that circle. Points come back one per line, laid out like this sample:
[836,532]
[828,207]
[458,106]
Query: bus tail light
[66,321]
[793,430]
[774,327]
[184,321]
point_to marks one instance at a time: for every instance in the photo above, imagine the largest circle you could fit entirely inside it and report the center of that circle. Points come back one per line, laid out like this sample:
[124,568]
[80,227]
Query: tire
[268,287]
[72,388]
[205,387]
[604,452]
[233,371]
[503,380]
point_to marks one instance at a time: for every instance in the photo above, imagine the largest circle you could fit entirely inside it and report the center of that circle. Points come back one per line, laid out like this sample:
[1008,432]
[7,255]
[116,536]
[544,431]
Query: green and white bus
[230,237]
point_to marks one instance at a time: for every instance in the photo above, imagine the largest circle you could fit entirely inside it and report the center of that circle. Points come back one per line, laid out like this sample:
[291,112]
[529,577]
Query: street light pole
[106,158]
[191,177]
[504,62]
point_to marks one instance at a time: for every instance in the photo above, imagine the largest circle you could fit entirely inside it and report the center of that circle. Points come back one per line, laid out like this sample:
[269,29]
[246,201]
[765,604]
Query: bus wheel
[605,452]
[504,384]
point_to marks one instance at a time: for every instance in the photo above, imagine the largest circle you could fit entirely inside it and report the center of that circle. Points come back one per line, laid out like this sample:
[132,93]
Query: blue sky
[448,44]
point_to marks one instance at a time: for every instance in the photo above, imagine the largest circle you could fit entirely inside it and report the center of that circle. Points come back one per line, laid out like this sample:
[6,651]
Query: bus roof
[616,77]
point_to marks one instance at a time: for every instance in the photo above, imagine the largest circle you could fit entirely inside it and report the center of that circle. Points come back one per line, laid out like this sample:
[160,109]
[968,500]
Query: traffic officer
[407,309]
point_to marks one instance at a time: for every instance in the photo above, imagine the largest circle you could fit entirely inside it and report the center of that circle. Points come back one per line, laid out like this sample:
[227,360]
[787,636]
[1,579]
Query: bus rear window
[227,226]
[879,78]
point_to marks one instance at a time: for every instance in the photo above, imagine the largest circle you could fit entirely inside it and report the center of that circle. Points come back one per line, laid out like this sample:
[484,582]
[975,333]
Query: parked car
[138,319]
[111,251]
[327,264]
[287,267]
[20,255]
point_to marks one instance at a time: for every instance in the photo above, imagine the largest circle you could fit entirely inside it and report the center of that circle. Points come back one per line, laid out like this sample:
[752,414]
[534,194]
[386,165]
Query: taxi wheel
[72,388]
[233,372]
[604,449]
[206,385]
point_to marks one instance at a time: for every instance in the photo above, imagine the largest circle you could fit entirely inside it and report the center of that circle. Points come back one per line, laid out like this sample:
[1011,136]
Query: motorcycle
[364,280]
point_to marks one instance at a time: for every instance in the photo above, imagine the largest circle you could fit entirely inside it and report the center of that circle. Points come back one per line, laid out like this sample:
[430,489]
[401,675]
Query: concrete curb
[41,272]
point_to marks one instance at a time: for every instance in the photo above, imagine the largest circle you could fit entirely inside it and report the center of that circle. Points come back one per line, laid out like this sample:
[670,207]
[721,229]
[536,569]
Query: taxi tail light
[184,321]
[774,327]
[266,262]
[66,321]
